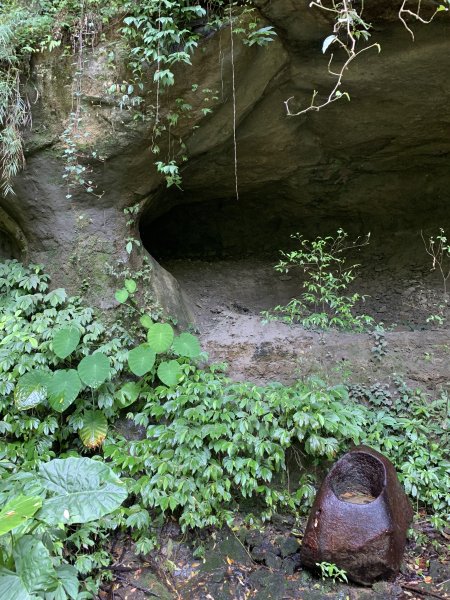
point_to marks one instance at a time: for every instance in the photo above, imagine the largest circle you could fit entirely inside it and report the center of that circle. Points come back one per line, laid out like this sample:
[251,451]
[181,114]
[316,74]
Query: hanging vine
[159,33]
[76,173]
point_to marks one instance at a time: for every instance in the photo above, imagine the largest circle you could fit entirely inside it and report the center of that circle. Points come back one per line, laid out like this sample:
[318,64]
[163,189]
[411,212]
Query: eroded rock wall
[378,162]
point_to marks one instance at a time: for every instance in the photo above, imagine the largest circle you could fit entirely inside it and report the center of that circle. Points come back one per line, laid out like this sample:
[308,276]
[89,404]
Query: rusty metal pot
[359,518]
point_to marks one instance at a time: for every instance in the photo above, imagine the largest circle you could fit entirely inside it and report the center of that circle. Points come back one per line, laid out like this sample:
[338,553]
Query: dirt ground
[228,297]
[253,563]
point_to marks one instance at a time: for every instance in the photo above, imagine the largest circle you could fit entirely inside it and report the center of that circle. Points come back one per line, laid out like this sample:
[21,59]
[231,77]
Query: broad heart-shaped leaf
[141,359]
[94,370]
[94,429]
[146,321]
[65,341]
[68,584]
[128,393]
[31,389]
[169,372]
[186,345]
[130,285]
[63,389]
[81,490]
[17,511]
[34,565]
[11,586]
[160,337]
[121,296]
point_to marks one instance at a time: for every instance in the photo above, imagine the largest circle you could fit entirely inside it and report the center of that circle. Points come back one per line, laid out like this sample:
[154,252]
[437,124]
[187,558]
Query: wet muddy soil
[263,563]
[228,296]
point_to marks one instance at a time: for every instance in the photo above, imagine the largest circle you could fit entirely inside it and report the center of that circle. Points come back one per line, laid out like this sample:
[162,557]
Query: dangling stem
[158,63]
[233,79]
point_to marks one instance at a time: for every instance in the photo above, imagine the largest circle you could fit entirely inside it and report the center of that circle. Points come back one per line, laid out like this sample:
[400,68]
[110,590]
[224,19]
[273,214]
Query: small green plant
[324,303]
[379,348]
[332,571]
[438,248]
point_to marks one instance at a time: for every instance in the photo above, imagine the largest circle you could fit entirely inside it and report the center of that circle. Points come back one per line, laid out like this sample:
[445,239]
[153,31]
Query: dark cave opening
[218,229]
[8,247]
[222,251]
[226,228]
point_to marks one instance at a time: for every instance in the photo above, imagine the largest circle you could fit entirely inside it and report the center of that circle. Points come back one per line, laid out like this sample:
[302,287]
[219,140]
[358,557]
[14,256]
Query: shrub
[324,302]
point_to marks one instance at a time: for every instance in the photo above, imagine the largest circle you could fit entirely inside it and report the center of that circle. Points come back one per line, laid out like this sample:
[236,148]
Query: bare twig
[335,94]
[132,584]
[413,588]
[415,14]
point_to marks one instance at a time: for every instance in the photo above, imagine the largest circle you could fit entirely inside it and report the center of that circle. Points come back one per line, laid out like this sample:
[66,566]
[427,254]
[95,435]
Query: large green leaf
[160,337]
[187,345]
[94,370]
[17,511]
[68,584]
[31,389]
[34,565]
[65,341]
[128,393]
[63,389]
[12,587]
[81,490]
[169,372]
[95,426]
[141,359]
[146,321]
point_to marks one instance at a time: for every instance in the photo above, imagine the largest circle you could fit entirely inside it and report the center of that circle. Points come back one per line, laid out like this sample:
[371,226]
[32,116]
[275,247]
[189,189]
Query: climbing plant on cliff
[158,33]
[19,29]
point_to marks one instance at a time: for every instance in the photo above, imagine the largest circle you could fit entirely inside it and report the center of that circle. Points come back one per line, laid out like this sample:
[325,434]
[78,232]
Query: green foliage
[66,492]
[169,372]
[63,389]
[379,348]
[94,370]
[38,326]
[94,429]
[332,571]
[324,303]
[19,29]
[160,337]
[80,490]
[65,341]
[210,444]
[141,359]
[159,35]
[18,511]
[413,432]
[438,248]
[187,345]
[31,389]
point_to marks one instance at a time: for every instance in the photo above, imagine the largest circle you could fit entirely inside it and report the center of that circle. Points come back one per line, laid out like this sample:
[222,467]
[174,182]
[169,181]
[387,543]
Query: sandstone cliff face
[379,162]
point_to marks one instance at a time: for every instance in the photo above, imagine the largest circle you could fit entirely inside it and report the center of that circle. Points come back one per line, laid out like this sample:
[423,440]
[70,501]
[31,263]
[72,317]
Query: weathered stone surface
[378,163]
[366,538]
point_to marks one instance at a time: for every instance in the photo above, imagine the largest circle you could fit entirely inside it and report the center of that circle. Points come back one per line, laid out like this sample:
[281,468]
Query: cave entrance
[8,246]
[222,252]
